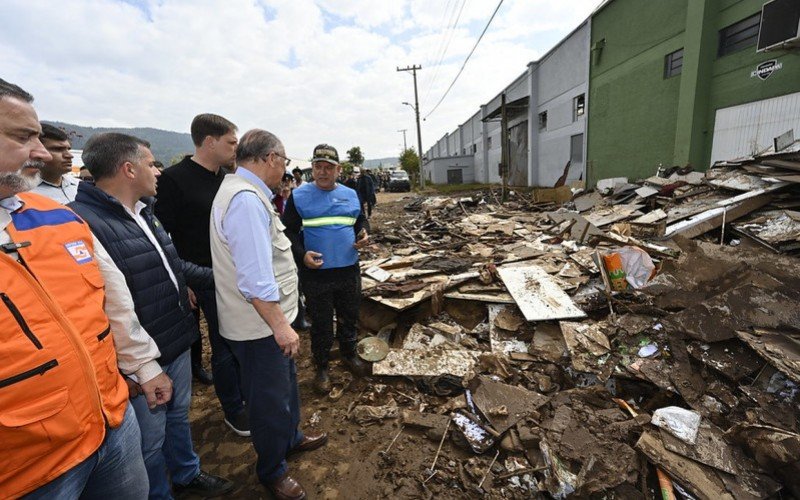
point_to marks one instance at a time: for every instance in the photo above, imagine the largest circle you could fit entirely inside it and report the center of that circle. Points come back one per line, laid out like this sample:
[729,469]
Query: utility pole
[413,70]
[505,154]
[405,146]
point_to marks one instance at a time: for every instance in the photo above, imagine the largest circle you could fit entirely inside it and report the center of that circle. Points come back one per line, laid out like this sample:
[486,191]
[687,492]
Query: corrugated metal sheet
[748,129]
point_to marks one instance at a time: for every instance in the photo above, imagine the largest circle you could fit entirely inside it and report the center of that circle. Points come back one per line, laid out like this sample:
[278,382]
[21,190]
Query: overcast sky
[310,71]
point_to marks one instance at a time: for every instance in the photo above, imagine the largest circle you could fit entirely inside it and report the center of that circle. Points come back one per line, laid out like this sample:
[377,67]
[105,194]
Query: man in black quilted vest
[118,209]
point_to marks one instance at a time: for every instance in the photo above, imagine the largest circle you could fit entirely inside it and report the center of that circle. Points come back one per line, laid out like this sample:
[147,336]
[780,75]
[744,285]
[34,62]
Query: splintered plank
[538,295]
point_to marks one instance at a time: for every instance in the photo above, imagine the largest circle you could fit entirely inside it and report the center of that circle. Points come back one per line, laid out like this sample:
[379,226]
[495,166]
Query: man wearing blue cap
[325,223]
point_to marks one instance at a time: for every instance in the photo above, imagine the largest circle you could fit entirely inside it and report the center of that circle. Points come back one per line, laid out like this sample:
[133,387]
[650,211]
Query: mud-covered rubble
[542,337]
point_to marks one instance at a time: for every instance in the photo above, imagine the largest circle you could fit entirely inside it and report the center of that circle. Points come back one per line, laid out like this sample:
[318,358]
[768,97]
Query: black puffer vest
[163,312]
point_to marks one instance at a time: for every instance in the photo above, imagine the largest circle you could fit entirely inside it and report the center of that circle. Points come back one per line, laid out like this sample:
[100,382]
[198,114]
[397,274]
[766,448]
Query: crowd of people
[102,277]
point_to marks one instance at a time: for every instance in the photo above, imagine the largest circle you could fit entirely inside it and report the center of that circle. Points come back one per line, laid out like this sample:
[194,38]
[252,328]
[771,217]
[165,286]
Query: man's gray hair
[104,153]
[256,144]
[8,89]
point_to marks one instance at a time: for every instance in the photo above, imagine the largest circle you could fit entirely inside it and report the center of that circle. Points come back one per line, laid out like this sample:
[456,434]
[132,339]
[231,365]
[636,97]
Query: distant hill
[165,145]
[377,162]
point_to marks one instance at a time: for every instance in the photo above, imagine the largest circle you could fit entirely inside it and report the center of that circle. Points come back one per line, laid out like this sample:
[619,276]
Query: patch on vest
[79,251]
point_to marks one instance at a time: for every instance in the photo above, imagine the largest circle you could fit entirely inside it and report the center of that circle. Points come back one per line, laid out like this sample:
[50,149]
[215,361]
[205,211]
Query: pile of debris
[634,336]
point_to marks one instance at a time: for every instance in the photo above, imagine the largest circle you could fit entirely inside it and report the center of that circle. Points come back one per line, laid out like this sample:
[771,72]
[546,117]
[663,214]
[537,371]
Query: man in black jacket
[119,213]
[186,191]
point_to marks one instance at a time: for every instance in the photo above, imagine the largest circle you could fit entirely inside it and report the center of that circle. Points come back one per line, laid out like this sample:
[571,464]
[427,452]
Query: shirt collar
[250,176]
[12,203]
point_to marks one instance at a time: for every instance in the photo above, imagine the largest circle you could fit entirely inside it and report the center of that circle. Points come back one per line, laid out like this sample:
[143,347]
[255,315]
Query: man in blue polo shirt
[325,223]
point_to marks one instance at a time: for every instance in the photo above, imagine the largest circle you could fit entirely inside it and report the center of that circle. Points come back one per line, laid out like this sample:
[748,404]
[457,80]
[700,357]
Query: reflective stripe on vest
[329,221]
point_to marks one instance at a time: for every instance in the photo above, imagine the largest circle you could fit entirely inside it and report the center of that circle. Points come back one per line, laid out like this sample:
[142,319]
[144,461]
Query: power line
[443,52]
[445,23]
[466,60]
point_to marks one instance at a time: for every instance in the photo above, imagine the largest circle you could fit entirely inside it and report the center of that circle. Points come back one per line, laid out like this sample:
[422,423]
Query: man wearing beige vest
[256,286]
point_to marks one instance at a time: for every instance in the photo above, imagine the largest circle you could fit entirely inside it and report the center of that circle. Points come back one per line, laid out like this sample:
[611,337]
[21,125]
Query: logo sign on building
[765,69]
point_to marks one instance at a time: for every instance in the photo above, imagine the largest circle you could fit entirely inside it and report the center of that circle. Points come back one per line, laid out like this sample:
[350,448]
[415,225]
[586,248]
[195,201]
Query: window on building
[576,149]
[489,142]
[543,120]
[474,148]
[739,35]
[673,63]
[578,107]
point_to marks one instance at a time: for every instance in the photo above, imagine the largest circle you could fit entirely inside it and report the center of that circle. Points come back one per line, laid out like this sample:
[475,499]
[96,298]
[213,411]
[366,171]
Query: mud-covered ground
[353,464]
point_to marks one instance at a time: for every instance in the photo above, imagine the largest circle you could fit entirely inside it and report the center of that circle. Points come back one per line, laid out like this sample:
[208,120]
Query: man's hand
[134,389]
[363,239]
[158,390]
[288,340]
[192,299]
[312,260]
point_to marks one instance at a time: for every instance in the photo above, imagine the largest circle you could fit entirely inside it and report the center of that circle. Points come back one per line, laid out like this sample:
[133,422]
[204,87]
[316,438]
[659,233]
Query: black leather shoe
[206,485]
[355,365]
[201,375]
[322,381]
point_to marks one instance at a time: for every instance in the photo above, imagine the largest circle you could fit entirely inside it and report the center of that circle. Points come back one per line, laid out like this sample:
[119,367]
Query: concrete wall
[561,76]
[437,169]
[633,108]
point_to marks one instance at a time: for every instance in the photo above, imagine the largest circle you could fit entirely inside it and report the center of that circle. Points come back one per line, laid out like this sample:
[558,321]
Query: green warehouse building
[677,82]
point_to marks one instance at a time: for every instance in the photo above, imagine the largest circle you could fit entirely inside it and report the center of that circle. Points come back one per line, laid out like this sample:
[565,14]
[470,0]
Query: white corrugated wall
[744,130]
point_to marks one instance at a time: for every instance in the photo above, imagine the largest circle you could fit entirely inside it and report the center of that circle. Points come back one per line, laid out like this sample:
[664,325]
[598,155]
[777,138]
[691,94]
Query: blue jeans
[115,471]
[270,382]
[224,367]
[166,436]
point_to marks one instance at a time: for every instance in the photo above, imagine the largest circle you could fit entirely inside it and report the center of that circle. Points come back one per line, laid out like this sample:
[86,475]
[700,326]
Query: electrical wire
[443,53]
[466,60]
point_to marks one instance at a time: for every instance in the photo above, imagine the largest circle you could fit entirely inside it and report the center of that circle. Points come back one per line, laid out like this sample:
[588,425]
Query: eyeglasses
[287,160]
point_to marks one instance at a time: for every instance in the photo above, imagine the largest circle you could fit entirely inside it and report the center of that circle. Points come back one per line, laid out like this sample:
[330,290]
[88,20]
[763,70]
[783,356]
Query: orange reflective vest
[59,382]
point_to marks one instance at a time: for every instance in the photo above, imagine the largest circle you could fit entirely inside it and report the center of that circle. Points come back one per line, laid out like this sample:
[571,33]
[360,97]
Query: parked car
[399,182]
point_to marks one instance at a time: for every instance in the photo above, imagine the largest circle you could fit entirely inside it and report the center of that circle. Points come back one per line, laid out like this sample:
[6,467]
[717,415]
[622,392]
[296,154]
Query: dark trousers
[269,380]
[224,367]
[322,299]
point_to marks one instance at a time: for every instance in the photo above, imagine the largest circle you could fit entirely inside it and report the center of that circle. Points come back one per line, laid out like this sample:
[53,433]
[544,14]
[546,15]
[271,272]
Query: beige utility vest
[238,319]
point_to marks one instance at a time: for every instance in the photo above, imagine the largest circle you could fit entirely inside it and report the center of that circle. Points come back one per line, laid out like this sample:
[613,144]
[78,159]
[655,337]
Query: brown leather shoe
[287,488]
[310,442]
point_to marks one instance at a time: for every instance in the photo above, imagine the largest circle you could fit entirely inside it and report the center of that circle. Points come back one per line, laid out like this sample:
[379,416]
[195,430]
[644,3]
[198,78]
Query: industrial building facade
[637,85]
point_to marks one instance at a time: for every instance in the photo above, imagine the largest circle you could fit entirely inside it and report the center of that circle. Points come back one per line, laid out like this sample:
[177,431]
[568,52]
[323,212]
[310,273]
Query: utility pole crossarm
[413,69]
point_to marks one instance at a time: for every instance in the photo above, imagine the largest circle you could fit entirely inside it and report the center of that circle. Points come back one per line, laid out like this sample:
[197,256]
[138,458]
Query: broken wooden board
[646,192]
[426,363]
[586,343]
[580,230]
[538,296]
[729,209]
[548,343]
[492,298]
[699,479]
[421,420]
[588,201]
[583,258]
[711,448]
[502,404]
[650,218]
[561,194]
[744,306]
[496,340]
[606,216]
[731,357]
[780,348]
